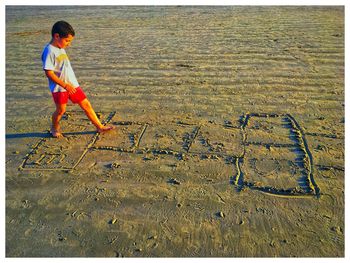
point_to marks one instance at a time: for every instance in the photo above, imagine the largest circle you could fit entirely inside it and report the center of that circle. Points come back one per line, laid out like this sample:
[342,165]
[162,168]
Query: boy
[62,81]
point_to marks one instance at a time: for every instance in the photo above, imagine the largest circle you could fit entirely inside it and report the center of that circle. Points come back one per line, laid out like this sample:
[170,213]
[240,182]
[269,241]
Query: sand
[229,139]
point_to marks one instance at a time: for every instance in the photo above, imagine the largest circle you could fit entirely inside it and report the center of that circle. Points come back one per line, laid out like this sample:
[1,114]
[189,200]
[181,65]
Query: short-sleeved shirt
[56,59]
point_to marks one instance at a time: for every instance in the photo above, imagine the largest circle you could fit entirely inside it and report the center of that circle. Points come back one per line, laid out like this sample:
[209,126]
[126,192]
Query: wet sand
[229,139]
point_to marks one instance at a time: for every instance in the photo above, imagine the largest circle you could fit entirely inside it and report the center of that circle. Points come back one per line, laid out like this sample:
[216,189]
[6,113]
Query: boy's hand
[51,75]
[71,90]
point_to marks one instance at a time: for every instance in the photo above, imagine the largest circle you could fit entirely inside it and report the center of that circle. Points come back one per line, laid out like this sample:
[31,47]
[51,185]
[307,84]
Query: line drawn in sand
[269,152]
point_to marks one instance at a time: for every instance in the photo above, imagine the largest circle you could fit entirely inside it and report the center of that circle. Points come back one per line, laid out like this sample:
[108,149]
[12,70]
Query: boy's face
[63,42]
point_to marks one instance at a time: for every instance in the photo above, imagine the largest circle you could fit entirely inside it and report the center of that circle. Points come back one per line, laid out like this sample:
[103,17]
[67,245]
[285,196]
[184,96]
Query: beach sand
[229,137]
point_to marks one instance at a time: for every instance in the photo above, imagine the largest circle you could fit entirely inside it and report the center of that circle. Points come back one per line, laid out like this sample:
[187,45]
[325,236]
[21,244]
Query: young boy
[62,81]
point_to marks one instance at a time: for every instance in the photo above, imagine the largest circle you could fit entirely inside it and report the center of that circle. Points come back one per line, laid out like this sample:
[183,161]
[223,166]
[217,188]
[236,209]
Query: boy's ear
[56,36]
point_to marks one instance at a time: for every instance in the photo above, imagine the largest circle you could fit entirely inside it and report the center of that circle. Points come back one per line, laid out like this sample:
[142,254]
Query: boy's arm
[52,76]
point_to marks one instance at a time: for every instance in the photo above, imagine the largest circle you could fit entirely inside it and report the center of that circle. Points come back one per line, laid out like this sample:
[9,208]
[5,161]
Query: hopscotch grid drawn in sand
[194,139]
[35,164]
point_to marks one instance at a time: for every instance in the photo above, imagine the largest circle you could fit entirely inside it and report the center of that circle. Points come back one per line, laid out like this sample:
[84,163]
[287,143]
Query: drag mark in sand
[189,138]
[308,160]
[139,138]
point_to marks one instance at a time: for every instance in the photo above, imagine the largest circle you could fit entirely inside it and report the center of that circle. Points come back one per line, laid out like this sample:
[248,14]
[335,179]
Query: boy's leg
[56,117]
[90,113]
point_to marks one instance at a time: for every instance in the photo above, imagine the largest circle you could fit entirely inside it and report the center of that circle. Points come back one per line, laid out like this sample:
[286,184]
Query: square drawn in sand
[58,154]
[125,136]
[279,167]
[63,153]
[271,130]
[172,137]
[215,139]
[75,122]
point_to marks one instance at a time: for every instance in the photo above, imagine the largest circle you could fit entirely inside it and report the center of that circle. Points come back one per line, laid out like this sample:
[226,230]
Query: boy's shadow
[44,134]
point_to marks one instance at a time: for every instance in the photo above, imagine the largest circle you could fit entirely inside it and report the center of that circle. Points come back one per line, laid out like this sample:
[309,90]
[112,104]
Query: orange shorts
[62,97]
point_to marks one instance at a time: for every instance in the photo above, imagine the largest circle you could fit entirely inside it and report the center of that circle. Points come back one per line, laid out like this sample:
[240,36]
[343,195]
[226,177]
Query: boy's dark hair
[63,29]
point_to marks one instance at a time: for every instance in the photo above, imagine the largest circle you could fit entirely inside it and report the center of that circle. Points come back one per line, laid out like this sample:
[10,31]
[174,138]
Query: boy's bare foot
[56,134]
[105,129]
